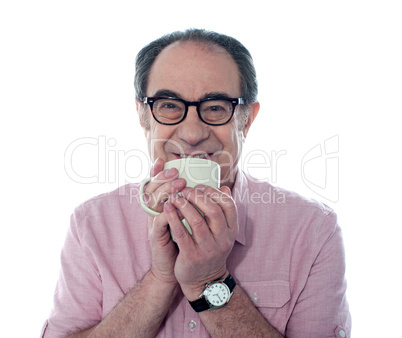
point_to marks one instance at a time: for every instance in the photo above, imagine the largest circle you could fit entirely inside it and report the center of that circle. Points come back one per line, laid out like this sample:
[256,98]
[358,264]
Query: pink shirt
[288,257]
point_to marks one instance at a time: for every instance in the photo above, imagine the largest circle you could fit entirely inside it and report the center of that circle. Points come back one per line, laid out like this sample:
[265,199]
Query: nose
[192,130]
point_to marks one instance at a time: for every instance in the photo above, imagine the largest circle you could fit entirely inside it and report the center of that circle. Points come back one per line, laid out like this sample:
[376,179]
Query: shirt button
[192,324]
[255,298]
[342,333]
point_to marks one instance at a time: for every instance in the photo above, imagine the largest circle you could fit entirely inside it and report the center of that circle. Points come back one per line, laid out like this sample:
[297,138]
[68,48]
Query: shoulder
[125,194]
[111,208]
[288,207]
[270,194]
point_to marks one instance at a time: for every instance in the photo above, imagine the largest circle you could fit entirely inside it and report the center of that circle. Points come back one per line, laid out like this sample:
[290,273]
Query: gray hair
[242,57]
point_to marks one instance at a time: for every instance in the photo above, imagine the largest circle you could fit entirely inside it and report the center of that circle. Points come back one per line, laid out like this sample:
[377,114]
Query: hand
[163,250]
[163,183]
[202,257]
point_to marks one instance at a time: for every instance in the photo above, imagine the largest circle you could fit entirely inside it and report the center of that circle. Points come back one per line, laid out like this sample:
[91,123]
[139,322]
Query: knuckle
[215,195]
[158,179]
[226,245]
[162,197]
[197,221]
[179,232]
[147,198]
[214,211]
[208,190]
[232,208]
[157,199]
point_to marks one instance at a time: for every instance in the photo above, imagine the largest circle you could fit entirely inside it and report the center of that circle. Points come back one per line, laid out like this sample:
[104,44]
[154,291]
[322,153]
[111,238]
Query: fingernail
[177,183]
[185,191]
[170,172]
[200,187]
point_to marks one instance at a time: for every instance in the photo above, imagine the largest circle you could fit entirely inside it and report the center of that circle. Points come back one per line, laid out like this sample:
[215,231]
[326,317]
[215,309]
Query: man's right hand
[162,184]
[157,191]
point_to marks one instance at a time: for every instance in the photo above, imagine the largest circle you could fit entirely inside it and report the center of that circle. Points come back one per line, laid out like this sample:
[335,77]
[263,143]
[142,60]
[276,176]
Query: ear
[252,114]
[139,106]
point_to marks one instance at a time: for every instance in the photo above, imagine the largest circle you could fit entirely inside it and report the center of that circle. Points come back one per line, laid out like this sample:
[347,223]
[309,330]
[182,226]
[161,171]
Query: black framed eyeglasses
[212,111]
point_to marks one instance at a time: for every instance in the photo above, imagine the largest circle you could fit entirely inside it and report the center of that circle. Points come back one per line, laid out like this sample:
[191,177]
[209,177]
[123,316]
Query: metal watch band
[201,304]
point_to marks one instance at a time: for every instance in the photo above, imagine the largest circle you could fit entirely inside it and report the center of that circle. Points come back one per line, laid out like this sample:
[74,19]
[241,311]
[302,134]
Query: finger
[182,236]
[219,208]
[225,189]
[213,213]
[158,197]
[158,228]
[224,199]
[157,191]
[193,216]
[162,177]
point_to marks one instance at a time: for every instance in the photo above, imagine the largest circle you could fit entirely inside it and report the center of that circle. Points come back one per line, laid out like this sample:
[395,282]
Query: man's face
[193,72]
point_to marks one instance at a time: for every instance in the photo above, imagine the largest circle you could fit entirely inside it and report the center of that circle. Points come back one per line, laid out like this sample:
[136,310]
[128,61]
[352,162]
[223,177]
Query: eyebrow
[215,95]
[168,93]
[212,95]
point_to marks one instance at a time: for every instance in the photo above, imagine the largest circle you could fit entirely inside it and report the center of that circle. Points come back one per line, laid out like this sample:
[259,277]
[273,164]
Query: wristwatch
[216,295]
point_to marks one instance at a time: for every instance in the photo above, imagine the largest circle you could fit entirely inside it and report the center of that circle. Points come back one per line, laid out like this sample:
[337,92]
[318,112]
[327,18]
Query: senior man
[277,267]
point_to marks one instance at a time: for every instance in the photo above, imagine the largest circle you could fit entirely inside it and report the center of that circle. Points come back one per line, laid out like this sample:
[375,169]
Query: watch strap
[230,282]
[201,304]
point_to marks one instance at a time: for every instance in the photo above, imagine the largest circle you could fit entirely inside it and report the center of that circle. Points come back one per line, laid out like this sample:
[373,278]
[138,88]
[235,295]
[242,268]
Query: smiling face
[192,72]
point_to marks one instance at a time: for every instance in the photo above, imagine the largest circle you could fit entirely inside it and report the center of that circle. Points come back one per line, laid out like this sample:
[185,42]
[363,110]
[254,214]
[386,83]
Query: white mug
[195,171]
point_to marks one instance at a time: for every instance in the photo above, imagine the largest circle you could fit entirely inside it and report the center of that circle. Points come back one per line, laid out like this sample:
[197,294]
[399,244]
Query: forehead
[193,69]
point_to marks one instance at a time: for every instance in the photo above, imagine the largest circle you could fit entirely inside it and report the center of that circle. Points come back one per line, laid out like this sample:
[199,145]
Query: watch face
[217,294]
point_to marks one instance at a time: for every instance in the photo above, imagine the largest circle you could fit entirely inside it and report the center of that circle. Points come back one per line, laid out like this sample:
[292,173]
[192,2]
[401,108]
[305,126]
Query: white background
[327,71]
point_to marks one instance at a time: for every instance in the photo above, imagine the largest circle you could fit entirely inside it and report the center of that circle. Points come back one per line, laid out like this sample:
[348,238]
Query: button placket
[340,332]
[192,321]
[255,298]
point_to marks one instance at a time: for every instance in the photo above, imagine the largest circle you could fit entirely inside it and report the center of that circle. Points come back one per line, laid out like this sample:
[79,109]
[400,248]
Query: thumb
[225,189]
[157,227]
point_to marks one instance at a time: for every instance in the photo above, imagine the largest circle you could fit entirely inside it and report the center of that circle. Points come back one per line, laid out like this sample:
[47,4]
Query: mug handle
[144,206]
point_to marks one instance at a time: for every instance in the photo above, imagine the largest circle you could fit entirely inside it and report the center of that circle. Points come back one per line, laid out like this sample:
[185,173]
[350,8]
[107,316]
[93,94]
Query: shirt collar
[238,191]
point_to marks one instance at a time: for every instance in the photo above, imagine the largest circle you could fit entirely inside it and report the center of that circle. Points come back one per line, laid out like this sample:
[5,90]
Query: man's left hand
[202,256]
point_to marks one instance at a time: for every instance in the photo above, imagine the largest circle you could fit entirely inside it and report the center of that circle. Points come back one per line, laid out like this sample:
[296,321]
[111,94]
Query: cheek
[154,147]
[157,136]
[232,141]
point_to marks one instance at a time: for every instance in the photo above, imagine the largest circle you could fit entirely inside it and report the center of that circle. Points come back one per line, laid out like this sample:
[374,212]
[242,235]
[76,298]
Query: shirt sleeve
[78,295]
[322,309]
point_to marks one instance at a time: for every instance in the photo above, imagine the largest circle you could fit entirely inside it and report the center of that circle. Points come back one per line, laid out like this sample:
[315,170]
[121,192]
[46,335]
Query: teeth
[195,156]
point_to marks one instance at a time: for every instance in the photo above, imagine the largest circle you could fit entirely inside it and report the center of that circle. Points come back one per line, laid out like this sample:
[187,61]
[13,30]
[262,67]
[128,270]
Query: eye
[161,105]
[216,108]
[216,111]
[168,110]
[168,105]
